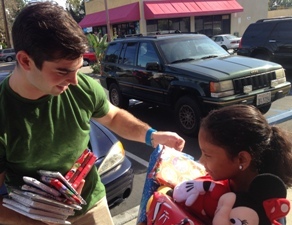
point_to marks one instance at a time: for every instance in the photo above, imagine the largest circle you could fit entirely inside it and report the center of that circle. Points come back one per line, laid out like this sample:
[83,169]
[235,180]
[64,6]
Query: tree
[12,8]
[76,8]
[274,4]
[98,44]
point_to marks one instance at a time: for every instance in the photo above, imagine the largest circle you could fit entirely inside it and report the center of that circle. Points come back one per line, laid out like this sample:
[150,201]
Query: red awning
[185,8]
[124,13]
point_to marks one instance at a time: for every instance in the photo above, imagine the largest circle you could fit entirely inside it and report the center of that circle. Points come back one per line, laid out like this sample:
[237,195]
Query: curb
[280,117]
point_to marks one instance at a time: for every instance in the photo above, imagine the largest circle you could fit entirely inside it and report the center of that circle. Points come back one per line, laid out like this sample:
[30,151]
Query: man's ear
[245,159]
[24,60]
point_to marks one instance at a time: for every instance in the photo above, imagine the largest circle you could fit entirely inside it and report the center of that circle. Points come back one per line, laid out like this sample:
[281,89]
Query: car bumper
[118,183]
[243,52]
[235,46]
[249,99]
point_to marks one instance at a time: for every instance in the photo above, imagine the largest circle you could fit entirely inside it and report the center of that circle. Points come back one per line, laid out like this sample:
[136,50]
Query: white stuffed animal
[188,191]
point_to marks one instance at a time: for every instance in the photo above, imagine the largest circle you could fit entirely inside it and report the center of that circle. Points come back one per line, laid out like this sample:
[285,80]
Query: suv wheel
[188,115]
[116,97]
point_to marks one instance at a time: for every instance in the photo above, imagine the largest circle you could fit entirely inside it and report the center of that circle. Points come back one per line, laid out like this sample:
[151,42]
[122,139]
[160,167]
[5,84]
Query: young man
[46,106]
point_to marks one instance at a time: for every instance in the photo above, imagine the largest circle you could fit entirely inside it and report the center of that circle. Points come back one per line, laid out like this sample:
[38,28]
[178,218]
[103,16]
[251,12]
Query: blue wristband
[148,137]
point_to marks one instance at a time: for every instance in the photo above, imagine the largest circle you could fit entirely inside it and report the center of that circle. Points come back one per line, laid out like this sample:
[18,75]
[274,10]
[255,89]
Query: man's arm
[129,127]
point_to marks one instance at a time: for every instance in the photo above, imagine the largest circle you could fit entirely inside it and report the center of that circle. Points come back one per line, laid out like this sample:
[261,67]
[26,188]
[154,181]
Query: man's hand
[170,139]
[80,187]
[79,190]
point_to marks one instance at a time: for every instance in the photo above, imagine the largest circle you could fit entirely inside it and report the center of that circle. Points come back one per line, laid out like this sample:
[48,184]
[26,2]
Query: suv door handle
[272,41]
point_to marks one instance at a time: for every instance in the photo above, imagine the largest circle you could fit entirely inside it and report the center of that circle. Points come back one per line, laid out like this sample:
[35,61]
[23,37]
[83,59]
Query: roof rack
[130,35]
[274,18]
[153,35]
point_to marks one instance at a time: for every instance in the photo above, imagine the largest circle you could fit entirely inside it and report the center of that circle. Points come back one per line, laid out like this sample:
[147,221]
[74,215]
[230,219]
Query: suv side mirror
[155,66]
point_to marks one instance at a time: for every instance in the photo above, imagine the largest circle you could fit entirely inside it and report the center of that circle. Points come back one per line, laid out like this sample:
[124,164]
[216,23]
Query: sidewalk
[86,69]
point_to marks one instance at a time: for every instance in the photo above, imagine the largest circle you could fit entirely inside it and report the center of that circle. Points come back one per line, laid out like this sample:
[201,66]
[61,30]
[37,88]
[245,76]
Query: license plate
[264,98]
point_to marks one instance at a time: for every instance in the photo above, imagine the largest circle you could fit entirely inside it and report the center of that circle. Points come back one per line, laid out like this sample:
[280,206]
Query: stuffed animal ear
[271,192]
[266,186]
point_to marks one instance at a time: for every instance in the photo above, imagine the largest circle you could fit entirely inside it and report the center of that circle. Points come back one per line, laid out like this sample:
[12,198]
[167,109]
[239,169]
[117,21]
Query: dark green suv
[188,73]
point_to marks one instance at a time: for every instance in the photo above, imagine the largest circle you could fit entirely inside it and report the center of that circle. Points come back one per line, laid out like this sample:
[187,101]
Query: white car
[227,41]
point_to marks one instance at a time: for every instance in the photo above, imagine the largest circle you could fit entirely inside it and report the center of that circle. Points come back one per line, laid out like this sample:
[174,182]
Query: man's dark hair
[46,32]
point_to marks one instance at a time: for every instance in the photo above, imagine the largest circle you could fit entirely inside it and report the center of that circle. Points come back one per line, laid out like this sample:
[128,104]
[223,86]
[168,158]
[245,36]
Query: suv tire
[116,97]
[188,115]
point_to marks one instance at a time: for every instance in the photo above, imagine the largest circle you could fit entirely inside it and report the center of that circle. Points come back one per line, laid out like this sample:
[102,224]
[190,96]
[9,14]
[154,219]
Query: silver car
[7,54]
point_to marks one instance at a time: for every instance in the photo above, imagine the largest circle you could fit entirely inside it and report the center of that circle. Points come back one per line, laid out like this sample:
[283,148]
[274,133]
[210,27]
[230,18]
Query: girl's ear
[24,60]
[245,159]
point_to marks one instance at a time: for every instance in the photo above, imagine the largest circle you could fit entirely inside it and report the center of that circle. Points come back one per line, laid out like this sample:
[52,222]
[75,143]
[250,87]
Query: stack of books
[54,197]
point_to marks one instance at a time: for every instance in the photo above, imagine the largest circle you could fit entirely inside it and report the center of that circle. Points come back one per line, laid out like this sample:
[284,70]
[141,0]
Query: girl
[237,143]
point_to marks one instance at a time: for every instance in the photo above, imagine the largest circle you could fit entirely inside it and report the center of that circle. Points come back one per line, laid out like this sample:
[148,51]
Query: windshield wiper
[209,56]
[182,60]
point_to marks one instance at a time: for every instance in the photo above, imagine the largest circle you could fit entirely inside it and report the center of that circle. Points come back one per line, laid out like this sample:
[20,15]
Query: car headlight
[115,156]
[280,78]
[221,89]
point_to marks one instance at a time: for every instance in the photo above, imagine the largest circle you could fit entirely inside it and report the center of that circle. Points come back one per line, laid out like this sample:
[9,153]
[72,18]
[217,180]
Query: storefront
[209,17]
[123,20]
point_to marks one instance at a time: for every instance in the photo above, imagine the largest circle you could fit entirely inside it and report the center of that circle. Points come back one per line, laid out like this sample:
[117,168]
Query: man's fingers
[80,187]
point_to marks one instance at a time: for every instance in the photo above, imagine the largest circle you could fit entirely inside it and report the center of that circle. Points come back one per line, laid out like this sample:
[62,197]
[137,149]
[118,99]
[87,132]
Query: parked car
[188,73]
[227,41]
[7,54]
[113,165]
[269,39]
[89,58]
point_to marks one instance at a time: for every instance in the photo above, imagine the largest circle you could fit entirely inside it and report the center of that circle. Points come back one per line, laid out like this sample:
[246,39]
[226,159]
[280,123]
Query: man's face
[54,78]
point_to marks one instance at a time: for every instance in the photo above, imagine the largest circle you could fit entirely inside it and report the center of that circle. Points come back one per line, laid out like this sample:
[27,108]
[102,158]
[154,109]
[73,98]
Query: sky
[61,2]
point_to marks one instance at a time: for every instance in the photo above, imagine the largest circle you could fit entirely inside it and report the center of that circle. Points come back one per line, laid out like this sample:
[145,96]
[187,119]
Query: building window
[168,25]
[122,29]
[212,25]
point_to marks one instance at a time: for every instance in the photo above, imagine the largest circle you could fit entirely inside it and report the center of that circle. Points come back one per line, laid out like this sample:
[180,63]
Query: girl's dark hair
[46,32]
[242,127]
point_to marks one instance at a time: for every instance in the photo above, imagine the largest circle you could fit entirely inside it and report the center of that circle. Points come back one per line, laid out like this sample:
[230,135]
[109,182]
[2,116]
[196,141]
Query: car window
[113,52]
[257,30]
[281,30]
[217,39]
[130,53]
[186,49]
[146,54]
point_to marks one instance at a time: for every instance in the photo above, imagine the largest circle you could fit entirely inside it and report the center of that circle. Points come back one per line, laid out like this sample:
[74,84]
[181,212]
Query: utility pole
[5,24]
[107,22]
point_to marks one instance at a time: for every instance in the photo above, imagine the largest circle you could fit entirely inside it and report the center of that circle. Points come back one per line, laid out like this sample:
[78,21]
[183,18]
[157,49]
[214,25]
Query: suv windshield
[186,49]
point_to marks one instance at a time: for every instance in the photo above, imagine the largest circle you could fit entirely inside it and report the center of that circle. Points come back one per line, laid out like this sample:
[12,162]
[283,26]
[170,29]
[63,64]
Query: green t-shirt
[50,133]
